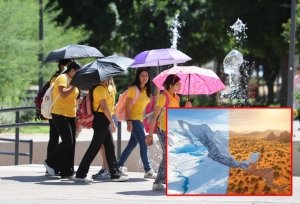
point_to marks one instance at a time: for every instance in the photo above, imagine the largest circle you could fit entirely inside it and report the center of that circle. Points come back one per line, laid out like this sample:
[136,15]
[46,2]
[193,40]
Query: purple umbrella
[159,57]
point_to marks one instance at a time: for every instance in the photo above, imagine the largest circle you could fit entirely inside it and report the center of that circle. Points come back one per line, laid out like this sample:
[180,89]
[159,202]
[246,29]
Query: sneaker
[150,174]
[51,171]
[123,169]
[84,180]
[56,173]
[158,187]
[102,174]
[120,178]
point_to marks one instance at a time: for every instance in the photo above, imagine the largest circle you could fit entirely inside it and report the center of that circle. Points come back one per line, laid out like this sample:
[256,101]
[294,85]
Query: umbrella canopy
[99,70]
[159,57]
[73,52]
[194,80]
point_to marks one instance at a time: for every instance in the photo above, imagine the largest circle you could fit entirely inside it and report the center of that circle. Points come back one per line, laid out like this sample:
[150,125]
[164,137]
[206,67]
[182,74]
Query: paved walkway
[27,184]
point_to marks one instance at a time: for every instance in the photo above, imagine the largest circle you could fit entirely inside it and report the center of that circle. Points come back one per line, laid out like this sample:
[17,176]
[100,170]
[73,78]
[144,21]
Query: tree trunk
[284,64]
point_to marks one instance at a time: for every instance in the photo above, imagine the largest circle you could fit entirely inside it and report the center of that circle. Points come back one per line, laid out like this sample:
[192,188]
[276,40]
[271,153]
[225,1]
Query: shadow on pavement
[143,193]
[32,179]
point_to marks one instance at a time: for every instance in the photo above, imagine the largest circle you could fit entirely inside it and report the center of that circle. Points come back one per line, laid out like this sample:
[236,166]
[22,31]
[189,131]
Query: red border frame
[291,144]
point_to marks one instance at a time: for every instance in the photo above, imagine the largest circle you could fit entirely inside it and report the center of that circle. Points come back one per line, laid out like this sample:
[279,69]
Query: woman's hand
[113,127]
[188,104]
[149,140]
[129,126]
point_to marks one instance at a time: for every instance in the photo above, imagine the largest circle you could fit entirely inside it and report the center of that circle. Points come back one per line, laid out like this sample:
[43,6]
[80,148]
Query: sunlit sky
[237,120]
[259,119]
[216,119]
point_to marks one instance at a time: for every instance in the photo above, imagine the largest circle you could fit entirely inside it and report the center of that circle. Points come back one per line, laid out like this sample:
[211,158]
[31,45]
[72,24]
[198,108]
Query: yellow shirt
[137,109]
[65,106]
[160,102]
[101,92]
[113,93]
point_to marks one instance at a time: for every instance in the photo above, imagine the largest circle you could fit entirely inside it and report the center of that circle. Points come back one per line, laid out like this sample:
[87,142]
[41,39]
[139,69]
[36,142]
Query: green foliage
[132,26]
[19,47]
[286,27]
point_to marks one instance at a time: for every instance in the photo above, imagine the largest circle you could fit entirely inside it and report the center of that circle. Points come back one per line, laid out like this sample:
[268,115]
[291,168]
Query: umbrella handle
[189,87]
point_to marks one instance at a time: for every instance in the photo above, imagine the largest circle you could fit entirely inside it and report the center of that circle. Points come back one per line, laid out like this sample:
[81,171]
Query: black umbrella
[73,52]
[99,70]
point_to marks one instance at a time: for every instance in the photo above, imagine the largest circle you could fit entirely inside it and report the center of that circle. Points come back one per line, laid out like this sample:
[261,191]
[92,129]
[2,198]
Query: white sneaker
[120,178]
[50,170]
[123,169]
[158,187]
[84,180]
[150,174]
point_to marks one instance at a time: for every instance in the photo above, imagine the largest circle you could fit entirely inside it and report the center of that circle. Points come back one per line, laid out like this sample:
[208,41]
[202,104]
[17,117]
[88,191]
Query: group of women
[61,158]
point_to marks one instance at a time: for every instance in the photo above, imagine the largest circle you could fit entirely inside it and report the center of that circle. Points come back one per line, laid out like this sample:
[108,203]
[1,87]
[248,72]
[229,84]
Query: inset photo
[223,151]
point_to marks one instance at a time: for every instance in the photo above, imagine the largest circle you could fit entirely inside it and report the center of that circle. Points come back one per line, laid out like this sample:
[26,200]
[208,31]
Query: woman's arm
[107,114]
[64,92]
[128,102]
[153,119]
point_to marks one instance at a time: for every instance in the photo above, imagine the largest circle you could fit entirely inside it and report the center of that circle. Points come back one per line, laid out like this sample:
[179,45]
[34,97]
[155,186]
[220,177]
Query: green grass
[31,130]
[37,129]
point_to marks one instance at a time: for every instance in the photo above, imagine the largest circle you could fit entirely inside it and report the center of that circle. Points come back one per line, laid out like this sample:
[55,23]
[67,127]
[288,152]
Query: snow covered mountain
[199,160]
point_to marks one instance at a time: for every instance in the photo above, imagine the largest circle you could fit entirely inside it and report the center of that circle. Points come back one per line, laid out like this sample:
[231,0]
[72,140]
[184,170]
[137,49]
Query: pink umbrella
[194,80]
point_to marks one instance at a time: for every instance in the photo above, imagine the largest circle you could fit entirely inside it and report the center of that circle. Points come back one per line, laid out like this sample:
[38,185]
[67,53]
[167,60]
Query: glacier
[199,160]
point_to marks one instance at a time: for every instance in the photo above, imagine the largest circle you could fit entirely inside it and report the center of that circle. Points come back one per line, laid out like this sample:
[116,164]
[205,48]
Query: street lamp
[41,50]
[291,55]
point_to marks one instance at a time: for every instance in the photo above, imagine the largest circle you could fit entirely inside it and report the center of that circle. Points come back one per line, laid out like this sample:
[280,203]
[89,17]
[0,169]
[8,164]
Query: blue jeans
[137,136]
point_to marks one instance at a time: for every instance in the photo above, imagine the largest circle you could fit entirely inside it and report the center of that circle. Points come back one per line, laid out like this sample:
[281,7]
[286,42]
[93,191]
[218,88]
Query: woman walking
[167,98]
[135,113]
[103,127]
[63,116]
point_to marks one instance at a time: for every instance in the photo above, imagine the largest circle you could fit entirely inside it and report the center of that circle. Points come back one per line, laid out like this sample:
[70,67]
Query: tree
[132,26]
[19,47]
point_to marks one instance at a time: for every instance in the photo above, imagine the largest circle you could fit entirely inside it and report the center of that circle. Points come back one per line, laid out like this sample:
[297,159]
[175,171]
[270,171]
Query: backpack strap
[167,103]
[165,106]
[137,95]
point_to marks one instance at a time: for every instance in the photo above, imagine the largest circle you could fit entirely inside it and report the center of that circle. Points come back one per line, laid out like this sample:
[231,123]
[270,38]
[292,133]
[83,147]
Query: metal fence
[17,139]
[17,125]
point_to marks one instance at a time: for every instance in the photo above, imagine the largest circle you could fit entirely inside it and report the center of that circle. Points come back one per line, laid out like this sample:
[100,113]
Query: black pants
[102,135]
[62,158]
[53,138]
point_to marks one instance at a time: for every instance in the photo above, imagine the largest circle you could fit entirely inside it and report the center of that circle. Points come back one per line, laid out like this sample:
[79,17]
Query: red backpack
[150,110]
[85,114]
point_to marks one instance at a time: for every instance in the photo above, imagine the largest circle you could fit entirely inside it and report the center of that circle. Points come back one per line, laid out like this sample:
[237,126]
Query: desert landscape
[271,175]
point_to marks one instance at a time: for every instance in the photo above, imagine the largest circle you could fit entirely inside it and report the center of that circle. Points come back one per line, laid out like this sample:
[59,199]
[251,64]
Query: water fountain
[174,31]
[237,69]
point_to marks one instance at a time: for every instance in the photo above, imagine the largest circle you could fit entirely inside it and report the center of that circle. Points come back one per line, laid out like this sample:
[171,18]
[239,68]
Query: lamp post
[291,55]
[41,50]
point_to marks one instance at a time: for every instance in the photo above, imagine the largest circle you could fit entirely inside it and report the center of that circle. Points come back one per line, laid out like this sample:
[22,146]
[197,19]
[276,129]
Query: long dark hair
[72,65]
[171,80]
[137,82]
[62,62]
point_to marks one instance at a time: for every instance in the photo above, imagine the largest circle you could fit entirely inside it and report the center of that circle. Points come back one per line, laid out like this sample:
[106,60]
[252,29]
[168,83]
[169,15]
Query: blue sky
[217,119]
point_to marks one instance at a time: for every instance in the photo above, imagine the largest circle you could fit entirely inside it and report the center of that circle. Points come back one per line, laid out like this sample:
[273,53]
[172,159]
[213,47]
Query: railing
[17,139]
